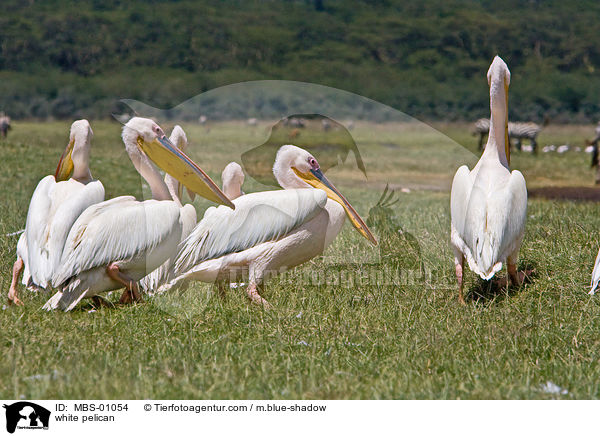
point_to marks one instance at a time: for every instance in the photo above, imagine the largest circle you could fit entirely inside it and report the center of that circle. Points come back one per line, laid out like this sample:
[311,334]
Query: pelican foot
[130,297]
[131,293]
[18,267]
[255,297]
[521,277]
[13,299]
[517,278]
[101,302]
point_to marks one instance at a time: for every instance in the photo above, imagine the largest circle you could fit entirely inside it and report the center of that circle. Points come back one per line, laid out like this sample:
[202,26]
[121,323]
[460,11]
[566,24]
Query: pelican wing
[257,218]
[595,275]
[118,229]
[36,231]
[78,198]
[459,197]
[53,209]
[160,275]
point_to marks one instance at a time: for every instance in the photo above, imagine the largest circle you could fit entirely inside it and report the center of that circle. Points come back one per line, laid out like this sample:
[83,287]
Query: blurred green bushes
[61,59]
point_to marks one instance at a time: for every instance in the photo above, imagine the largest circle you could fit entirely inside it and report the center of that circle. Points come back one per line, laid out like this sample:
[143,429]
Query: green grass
[322,340]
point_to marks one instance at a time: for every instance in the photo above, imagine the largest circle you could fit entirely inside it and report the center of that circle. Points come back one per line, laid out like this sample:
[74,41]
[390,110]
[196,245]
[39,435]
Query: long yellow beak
[506,137]
[172,160]
[65,164]
[317,179]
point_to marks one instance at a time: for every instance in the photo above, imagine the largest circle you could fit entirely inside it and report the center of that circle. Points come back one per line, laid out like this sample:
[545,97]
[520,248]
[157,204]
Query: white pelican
[115,243]
[160,275]
[595,275]
[55,205]
[489,204]
[268,231]
[233,179]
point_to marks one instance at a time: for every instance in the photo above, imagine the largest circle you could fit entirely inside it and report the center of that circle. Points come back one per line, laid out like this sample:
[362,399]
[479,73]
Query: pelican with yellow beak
[115,243]
[268,231]
[54,206]
[489,204]
[160,275]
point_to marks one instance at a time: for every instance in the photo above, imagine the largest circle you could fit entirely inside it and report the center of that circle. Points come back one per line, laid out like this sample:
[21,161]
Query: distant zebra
[521,131]
[482,128]
[518,131]
[594,143]
[4,125]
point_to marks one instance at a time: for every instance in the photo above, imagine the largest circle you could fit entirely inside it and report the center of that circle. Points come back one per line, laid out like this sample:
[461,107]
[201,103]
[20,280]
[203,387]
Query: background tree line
[65,59]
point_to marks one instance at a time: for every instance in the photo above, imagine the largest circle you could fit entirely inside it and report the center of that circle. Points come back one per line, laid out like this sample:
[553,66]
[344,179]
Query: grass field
[323,339]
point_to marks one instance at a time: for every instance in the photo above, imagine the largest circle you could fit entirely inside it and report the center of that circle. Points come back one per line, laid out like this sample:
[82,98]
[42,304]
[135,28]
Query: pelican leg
[254,296]
[222,289]
[131,292]
[516,278]
[459,261]
[13,291]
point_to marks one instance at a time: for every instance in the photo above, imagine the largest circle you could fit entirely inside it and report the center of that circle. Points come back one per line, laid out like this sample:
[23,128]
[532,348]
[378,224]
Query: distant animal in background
[482,128]
[517,131]
[520,131]
[594,144]
[295,121]
[4,125]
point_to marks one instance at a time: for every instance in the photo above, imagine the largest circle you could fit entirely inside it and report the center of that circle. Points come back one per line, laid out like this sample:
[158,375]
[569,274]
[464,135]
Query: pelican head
[498,77]
[179,138]
[233,179]
[76,157]
[296,168]
[145,136]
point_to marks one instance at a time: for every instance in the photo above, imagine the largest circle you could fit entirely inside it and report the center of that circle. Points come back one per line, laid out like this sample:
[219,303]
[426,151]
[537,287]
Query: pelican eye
[157,130]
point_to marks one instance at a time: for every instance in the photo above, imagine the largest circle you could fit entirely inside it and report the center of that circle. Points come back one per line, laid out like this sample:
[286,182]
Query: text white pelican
[489,204]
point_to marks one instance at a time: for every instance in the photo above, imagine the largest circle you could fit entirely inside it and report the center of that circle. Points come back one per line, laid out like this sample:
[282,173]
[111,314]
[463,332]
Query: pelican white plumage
[268,231]
[54,206]
[161,275]
[489,203]
[233,179]
[115,243]
[595,275]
